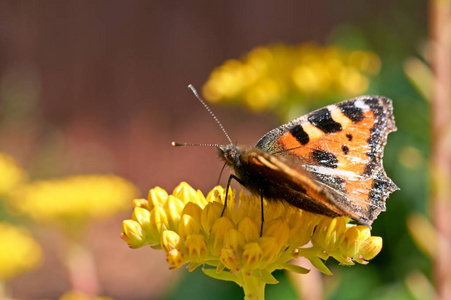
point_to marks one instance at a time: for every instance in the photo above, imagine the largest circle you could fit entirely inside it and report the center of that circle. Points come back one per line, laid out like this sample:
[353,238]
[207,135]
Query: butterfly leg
[227,190]
[263,217]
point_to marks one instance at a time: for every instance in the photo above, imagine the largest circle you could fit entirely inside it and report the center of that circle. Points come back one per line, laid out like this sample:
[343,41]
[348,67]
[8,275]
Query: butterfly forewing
[342,147]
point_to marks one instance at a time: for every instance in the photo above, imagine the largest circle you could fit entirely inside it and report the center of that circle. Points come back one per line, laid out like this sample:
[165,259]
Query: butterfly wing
[341,146]
[282,178]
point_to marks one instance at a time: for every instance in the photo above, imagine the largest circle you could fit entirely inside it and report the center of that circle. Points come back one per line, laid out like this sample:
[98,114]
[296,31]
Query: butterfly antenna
[175,144]
[191,87]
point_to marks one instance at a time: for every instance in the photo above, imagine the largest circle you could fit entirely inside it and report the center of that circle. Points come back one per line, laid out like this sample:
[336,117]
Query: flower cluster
[11,175]
[73,201]
[273,77]
[75,295]
[188,226]
[19,252]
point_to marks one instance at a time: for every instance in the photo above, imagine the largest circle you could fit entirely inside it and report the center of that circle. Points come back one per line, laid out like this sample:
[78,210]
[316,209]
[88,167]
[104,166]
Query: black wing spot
[345,149]
[325,158]
[323,120]
[354,113]
[300,135]
[349,136]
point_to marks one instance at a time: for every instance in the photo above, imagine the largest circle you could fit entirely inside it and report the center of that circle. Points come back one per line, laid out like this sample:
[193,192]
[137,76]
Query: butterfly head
[229,153]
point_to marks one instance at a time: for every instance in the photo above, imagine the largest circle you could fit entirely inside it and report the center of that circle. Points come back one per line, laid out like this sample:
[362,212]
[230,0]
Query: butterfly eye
[231,155]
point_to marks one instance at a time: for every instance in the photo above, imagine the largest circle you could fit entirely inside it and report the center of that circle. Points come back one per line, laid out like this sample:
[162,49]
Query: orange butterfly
[327,162]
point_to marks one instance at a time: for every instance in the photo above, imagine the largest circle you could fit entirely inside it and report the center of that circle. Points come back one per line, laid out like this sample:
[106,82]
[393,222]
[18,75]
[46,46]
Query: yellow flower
[190,229]
[74,295]
[19,252]
[11,175]
[278,76]
[73,201]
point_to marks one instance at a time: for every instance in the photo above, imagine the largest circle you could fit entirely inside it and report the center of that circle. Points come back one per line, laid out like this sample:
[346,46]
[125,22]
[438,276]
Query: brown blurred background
[111,77]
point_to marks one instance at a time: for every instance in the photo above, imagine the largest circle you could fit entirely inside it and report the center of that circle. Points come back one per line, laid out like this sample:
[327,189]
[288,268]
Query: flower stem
[440,20]
[254,289]
[81,268]
[3,290]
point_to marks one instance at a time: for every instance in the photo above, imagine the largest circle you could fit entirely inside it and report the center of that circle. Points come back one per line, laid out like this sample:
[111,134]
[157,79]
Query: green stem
[254,289]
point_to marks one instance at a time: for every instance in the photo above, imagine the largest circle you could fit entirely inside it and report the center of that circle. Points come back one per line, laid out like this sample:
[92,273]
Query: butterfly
[328,161]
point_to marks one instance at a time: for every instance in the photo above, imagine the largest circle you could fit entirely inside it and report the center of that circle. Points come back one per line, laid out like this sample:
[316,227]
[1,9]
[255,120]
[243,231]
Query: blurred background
[100,87]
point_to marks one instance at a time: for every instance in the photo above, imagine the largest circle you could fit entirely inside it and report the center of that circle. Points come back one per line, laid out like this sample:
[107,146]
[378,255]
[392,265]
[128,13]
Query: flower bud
[218,231]
[371,247]
[196,248]
[252,255]
[157,197]
[132,234]
[185,192]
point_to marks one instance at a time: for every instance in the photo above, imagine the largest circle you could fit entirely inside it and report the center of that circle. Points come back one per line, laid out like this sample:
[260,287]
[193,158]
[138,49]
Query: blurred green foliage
[386,277]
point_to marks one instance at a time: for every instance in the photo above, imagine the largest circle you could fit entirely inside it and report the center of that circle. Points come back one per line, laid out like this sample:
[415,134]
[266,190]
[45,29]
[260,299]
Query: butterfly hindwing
[283,179]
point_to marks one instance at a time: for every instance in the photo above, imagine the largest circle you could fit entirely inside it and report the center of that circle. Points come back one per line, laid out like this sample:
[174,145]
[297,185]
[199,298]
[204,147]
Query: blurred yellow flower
[19,252]
[279,75]
[72,201]
[74,295]
[188,226]
[11,175]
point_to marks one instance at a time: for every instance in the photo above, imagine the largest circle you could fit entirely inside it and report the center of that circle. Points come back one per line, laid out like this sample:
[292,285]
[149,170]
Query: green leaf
[265,277]
[224,275]
[342,259]
[294,268]
[191,267]
[156,247]
[318,263]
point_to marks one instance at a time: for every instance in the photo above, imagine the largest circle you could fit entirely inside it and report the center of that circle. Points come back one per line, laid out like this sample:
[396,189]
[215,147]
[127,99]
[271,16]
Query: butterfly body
[327,162]
[253,168]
